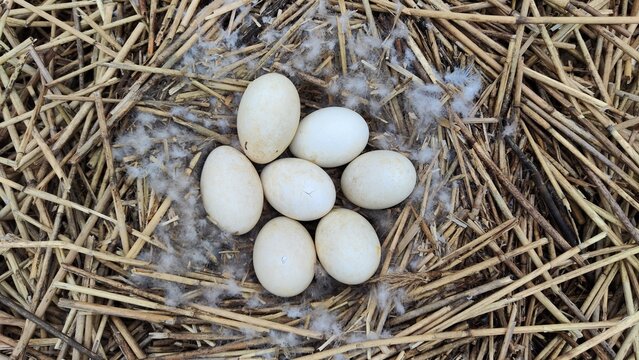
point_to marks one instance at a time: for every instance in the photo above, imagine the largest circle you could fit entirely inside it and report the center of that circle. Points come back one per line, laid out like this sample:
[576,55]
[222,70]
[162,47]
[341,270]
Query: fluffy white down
[347,246]
[284,257]
[330,137]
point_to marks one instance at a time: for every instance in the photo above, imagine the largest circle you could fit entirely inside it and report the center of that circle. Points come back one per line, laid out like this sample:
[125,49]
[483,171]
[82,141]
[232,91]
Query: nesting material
[520,239]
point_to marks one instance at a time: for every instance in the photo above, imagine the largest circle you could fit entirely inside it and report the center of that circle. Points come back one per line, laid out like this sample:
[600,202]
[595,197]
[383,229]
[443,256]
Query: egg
[347,246]
[378,179]
[330,137]
[284,257]
[267,118]
[231,190]
[298,189]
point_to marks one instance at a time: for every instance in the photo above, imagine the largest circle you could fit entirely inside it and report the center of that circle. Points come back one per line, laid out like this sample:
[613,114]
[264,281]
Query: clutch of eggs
[284,253]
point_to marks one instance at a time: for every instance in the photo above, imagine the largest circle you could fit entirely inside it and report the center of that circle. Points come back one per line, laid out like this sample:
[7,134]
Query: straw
[520,240]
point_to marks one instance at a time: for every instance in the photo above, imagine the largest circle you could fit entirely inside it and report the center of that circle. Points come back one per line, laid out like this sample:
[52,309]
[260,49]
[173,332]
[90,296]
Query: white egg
[268,116]
[347,246]
[379,179]
[330,137]
[231,190]
[284,257]
[298,189]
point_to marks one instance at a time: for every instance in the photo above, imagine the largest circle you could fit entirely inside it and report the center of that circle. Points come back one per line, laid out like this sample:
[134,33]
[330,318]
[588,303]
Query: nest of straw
[520,240]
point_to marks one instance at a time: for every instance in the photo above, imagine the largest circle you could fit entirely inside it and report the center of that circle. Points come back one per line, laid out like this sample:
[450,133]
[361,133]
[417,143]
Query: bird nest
[519,241]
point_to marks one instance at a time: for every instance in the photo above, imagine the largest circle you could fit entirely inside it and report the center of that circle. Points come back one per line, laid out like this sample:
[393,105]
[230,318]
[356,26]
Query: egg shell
[284,257]
[347,246]
[330,137]
[298,189]
[267,118]
[231,190]
[378,179]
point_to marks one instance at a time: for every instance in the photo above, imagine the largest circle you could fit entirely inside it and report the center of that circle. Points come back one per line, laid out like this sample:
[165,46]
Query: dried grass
[521,240]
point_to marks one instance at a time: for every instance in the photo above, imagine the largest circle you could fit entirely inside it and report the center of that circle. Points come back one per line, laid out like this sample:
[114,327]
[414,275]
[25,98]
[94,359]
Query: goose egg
[231,190]
[298,189]
[267,118]
[378,179]
[330,137]
[347,246]
[284,257]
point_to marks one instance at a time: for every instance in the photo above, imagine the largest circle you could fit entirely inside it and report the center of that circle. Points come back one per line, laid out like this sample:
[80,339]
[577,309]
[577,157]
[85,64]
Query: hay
[520,241]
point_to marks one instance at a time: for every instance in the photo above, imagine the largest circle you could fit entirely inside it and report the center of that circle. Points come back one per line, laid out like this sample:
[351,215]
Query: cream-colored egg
[298,189]
[347,246]
[284,257]
[231,190]
[268,116]
[379,179]
[330,137]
